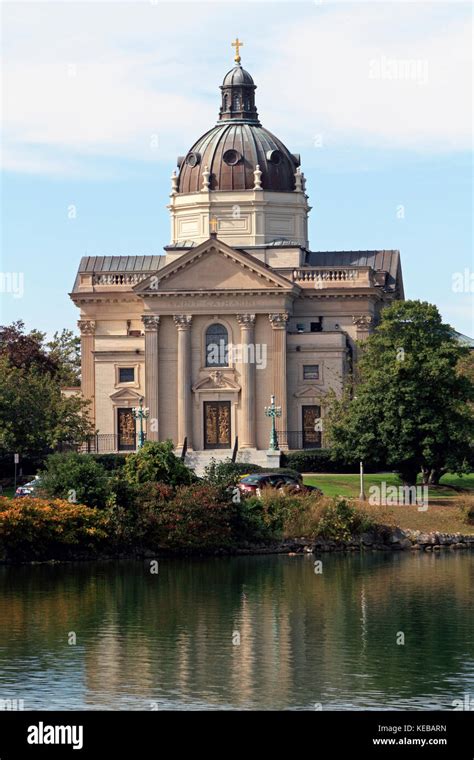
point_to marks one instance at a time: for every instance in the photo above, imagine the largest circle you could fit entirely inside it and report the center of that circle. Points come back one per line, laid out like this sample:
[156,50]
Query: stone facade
[286,320]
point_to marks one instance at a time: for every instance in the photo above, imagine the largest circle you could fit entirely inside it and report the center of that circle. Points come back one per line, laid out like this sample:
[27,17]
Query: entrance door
[126,430]
[217,424]
[311,427]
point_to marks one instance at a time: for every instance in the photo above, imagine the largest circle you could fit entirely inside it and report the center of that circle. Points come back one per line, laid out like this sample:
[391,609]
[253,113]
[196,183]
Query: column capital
[245,320]
[278,321]
[362,321]
[86,326]
[151,322]
[183,321]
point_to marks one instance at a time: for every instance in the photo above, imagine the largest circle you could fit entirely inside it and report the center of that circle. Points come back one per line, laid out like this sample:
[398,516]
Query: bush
[110,462]
[318,460]
[467,510]
[156,462]
[33,528]
[76,477]
[268,517]
[193,517]
[340,519]
[225,473]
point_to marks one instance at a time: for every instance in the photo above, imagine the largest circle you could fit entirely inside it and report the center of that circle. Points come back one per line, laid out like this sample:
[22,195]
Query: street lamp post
[140,413]
[273,412]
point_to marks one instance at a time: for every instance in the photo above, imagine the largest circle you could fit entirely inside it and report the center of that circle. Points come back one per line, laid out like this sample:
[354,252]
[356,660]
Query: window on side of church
[126,374]
[217,346]
[311,372]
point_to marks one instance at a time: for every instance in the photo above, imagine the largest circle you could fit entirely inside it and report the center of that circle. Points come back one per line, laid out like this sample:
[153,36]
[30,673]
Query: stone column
[183,324]
[364,325]
[278,322]
[87,328]
[247,340]
[151,324]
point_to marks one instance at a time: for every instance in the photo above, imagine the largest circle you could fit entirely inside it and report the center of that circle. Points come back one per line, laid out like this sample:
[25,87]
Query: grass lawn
[348,485]
[443,513]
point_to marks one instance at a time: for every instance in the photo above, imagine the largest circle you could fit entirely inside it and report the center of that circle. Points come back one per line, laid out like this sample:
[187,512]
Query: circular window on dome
[192,159]
[232,157]
[274,156]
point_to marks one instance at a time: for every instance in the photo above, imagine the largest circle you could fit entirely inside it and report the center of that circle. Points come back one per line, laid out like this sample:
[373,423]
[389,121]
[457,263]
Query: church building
[238,308]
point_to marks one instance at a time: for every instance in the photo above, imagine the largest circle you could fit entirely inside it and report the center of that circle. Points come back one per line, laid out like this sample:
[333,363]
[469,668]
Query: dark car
[286,483]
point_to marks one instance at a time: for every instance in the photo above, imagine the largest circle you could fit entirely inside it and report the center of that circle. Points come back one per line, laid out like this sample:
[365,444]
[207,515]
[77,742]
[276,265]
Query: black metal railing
[102,443]
[299,439]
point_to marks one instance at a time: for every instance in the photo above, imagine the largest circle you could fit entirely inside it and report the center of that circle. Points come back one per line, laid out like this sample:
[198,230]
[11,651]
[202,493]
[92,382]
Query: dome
[236,76]
[230,152]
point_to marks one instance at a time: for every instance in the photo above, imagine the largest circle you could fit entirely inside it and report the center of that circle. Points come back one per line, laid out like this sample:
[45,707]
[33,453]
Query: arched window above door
[217,346]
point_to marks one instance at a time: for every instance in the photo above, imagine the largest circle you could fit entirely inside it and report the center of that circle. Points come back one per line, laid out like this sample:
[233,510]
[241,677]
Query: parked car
[28,489]
[253,484]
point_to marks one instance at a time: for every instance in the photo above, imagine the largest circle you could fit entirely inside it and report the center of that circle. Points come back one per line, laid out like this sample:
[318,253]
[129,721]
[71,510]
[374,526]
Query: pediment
[216,381]
[212,266]
[309,391]
[125,395]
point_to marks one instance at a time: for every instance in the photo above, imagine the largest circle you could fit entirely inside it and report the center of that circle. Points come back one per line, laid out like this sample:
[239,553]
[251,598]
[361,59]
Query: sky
[99,98]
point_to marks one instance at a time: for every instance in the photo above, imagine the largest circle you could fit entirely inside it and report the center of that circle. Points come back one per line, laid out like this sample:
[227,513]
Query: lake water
[245,632]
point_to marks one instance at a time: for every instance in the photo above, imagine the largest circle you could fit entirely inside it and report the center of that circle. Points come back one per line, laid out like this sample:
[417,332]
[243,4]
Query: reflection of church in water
[238,307]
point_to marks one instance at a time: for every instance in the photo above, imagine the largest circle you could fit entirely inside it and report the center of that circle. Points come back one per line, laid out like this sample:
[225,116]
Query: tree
[76,477]
[25,350]
[409,408]
[35,416]
[65,351]
[156,462]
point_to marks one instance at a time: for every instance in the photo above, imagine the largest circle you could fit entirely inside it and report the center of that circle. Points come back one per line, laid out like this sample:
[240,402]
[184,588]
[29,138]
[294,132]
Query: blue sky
[375,96]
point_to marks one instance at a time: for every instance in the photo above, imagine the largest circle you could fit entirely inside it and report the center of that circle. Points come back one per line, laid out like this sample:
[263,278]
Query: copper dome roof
[238,143]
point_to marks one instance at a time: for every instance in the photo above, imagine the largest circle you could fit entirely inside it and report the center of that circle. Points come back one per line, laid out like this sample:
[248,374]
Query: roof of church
[386,261]
[230,152]
[121,263]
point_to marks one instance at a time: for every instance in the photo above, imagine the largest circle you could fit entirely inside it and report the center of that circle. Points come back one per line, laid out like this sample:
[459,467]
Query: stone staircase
[198,460]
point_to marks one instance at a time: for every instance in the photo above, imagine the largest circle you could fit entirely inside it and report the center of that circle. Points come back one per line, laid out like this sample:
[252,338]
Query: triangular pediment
[309,391]
[126,394]
[214,266]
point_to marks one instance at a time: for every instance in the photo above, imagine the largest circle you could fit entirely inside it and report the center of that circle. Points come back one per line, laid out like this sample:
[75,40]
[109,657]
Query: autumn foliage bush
[190,517]
[33,528]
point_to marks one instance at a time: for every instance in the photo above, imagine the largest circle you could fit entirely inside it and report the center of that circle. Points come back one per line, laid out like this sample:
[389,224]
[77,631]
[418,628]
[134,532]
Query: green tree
[156,462]
[409,408]
[35,416]
[65,351]
[76,477]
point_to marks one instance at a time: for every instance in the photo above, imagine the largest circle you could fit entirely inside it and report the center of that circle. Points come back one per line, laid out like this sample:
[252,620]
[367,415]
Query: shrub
[193,517]
[317,460]
[154,462]
[267,517]
[340,519]
[226,472]
[76,477]
[110,462]
[466,508]
[33,528]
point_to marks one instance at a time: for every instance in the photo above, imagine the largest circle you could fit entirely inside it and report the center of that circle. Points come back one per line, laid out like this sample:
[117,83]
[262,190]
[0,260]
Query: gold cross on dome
[237,44]
[213,223]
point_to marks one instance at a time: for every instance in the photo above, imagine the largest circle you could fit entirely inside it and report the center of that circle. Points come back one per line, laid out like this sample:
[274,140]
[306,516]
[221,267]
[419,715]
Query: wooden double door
[311,427]
[217,430]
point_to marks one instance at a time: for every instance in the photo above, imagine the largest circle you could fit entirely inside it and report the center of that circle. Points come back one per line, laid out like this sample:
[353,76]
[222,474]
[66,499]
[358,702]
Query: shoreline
[382,539]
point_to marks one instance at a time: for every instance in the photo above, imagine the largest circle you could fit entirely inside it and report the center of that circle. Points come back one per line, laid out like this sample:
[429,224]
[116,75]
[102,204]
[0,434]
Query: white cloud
[87,81]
